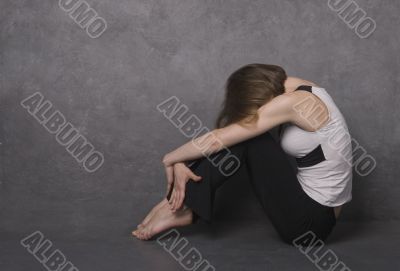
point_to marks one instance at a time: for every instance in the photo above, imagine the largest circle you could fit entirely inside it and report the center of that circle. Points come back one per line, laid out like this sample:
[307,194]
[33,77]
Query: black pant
[291,211]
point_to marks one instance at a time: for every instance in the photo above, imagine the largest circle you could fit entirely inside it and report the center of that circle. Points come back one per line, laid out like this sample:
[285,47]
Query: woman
[259,97]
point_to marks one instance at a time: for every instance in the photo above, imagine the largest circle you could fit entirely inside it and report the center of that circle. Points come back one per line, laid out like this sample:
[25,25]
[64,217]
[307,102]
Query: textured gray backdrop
[109,88]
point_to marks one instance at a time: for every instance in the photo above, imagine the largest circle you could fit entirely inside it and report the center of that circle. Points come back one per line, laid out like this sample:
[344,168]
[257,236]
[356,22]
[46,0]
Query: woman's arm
[277,111]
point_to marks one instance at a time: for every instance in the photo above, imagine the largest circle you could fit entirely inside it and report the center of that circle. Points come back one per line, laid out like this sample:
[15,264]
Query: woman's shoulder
[296,82]
[295,97]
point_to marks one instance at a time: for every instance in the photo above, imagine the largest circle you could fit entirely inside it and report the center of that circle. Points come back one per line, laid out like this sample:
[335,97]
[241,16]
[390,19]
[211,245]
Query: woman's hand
[182,174]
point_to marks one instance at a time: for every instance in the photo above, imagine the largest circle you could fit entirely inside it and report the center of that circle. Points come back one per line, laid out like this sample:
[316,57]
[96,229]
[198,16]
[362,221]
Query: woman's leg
[199,196]
[290,209]
[274,181]
[162,218]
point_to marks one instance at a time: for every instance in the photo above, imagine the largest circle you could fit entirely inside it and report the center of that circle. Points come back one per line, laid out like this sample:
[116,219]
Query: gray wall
[109,88]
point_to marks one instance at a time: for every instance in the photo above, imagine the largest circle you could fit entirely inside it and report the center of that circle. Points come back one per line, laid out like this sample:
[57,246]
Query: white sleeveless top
[324,157]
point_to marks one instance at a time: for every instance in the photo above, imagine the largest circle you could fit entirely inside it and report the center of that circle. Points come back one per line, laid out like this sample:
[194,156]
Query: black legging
[291,211]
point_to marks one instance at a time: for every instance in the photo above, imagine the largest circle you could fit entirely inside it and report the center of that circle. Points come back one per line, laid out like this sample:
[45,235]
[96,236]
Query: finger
[172,197]
[178,192]
[181,197]
[174,200]
[194,177]
[180,201]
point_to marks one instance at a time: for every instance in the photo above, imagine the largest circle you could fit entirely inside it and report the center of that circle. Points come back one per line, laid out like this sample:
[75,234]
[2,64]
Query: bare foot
[150,215]
[164,219]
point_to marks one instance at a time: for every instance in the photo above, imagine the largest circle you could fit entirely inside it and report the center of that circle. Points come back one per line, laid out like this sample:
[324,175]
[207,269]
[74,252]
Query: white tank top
[324,157]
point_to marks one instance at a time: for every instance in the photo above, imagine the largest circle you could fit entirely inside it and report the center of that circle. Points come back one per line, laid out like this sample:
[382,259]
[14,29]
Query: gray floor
[227,246]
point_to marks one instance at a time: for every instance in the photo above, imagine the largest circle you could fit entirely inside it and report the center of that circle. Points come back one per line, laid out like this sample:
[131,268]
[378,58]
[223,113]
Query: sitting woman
[258,98]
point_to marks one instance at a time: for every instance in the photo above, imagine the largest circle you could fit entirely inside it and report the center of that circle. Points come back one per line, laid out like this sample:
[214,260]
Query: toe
[140,235]
[147,235]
